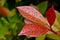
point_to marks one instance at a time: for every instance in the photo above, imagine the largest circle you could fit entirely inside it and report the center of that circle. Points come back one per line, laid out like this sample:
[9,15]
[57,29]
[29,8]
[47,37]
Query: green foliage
[42,7]
[2,2]
[53,36]
[12,13]
[42,37]
[58,17]
[11,25]
[57,21]
[4,27]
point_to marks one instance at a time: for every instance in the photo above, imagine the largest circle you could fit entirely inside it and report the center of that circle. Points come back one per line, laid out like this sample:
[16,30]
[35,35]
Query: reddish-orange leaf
[51,16]
[33,15]
[33,30]
[4,11]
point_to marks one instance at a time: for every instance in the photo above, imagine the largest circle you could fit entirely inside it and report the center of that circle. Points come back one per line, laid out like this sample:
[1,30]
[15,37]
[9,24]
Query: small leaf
[57,16]
[4,20]
[33,15]
[56,24]
[53,36]
[54,28]
[51,16]
[4,11]
[33,30]
[12,13]
[57,21]
[2,2]
[3,29]
[42,37]
[42,7]
[13,18]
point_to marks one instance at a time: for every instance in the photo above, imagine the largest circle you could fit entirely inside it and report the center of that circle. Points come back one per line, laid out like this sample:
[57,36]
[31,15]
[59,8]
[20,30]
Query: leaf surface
[33,30]
[33,15]
[51,16]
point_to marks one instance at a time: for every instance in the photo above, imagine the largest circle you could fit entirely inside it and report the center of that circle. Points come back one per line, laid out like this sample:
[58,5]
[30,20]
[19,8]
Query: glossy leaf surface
[32,14]
[51,16]
[33,30]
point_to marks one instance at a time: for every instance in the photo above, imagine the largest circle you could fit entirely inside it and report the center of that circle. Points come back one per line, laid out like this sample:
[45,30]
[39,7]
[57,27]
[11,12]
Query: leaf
[57,21]
[56,24]
[15,20]
[13,17]
[2,2]
[13,25]
[57,16]
[42,37]
[42,7]
[33,15]
[4,28]
[4,11]
[54,28]
[4,20]
[51,16]
[33,30]
[12,13]
[53,36]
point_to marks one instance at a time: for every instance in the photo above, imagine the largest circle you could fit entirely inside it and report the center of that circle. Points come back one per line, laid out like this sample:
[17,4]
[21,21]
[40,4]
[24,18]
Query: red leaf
[33,30]
[32,14]
[51,15]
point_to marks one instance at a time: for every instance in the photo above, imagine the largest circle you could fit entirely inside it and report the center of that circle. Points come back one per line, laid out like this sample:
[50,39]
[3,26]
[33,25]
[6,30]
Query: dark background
[12,3]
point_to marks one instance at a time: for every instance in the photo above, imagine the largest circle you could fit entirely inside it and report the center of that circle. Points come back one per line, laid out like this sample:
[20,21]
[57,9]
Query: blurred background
[11,22]
[14,3]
